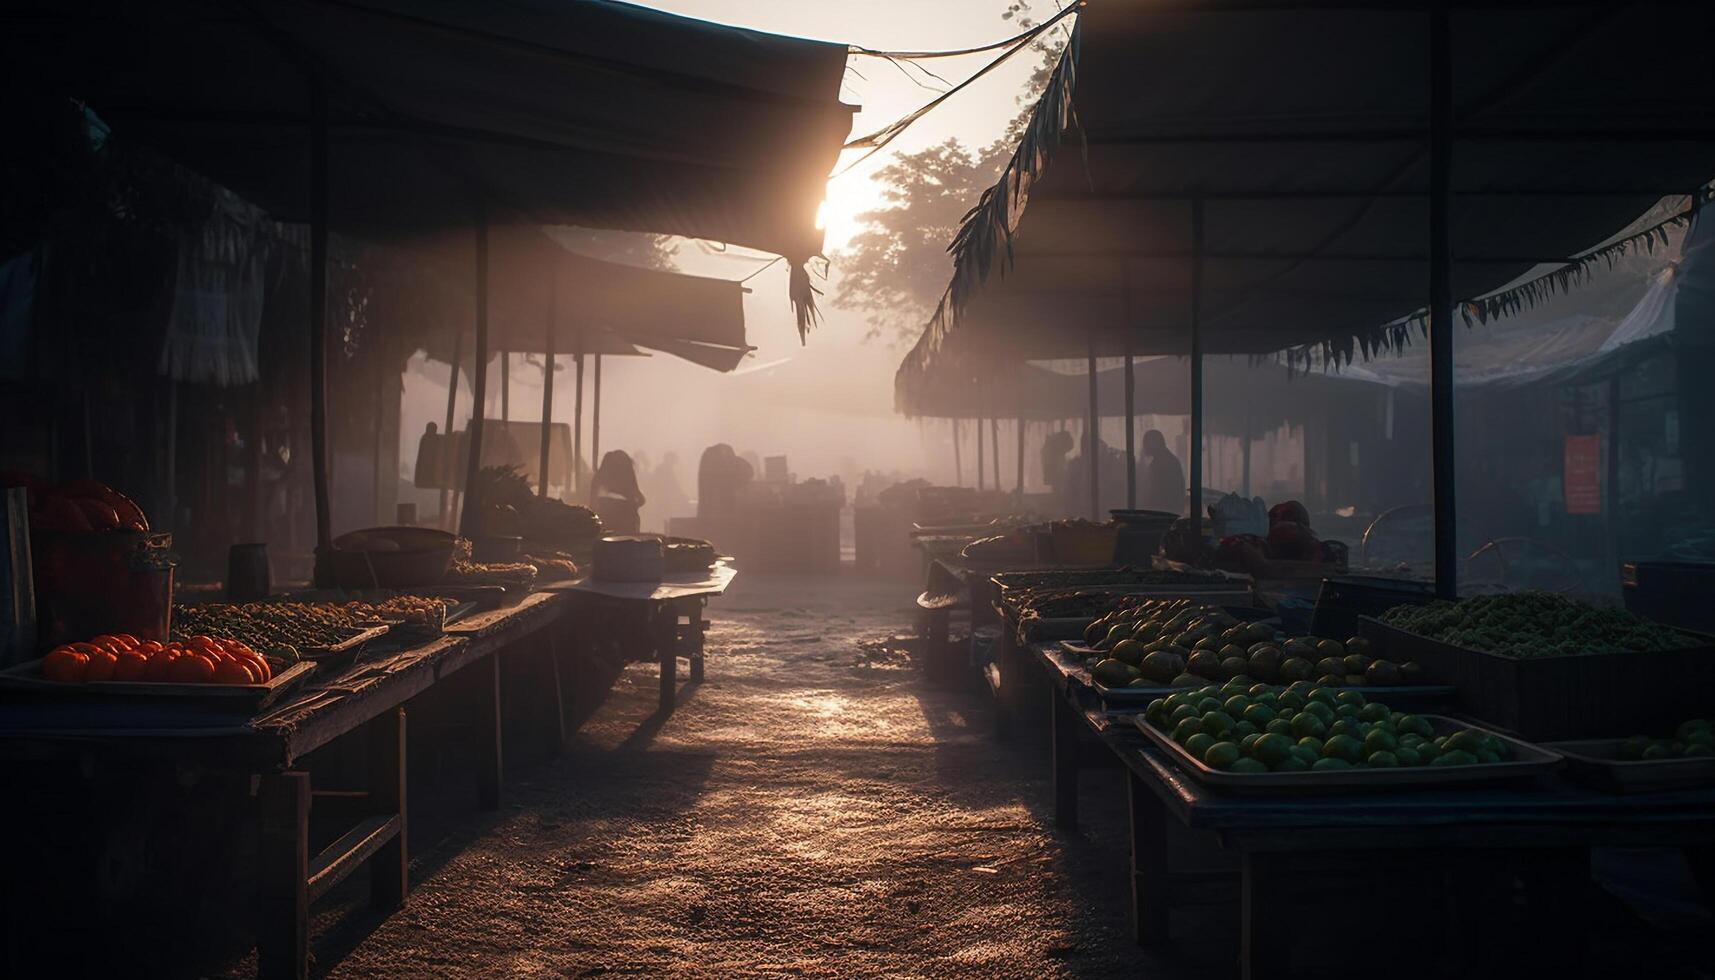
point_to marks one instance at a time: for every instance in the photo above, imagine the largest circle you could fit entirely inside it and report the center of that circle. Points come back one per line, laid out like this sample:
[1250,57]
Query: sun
[849,195]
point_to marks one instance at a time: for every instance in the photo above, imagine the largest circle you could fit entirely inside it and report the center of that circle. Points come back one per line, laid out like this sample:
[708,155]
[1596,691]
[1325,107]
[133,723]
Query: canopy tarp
[583,112]
[1301,133]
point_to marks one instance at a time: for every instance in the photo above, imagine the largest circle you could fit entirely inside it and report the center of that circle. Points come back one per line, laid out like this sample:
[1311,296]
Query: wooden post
[319,324]
[547,391]
[470,517]
[485,721]
[595,421]
[1441,303]
[390,868]
[1092,438]
[578,421]
[994,448]
[1247,450]
[1611,495]
[1196,449]
[505,386]
[448,460]
[1130,430]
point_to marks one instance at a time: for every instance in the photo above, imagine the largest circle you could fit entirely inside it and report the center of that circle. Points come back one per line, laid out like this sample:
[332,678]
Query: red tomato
[65,665]
[101,666]
[191,668]
[132,667]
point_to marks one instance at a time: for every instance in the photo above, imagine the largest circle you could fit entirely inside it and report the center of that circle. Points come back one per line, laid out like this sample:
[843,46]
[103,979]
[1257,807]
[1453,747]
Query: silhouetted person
[1163,483]
[616,496]
[1054,450]
[720,476]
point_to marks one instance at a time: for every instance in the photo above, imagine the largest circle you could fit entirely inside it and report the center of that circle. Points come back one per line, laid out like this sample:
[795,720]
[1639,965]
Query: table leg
[1265,941]
[698,628]
[1150,898]
[666,650]
[1064,734]
[551,649]
[390,868]
[283,935]
[485,718]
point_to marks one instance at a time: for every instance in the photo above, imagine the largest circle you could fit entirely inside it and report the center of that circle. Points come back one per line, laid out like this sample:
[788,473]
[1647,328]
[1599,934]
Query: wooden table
[367,700]
[1545,829]
[667,617]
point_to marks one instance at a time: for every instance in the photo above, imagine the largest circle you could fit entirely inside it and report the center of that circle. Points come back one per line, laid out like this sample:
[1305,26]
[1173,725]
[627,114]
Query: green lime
[1245,765]
[1375,711]
[1342,747]
[1199,743]
[1320,709]
[1407,756]
[1260,691]
[1313,743]
[1259,715]
[1184,729]
[1347,710]
[1382,760]
[1217,723]
[1414,725]
[1291,763]
[1658,750]
[1688,729]
[1308,725]
[1455,757]
[1221,755]
[1269,698]
[1699,749]
[1379,741]
[1467,739]
[1305,754]
[1326,763]
[1236,705]
[1247,741]
[1291,701]
[1352,698]
[1241,728]
[1279,726]
[1487,757]
[1183,712]
[1323,695]
[1345,726]
[1271,748]
[1700,736]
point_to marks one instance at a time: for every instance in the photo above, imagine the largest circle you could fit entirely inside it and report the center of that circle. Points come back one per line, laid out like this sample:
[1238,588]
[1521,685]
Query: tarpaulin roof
[561,111]
[1301,131]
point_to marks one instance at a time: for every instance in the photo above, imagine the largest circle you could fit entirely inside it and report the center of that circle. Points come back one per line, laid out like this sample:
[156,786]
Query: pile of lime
[1179,643]
[1303,727]
[1694,738]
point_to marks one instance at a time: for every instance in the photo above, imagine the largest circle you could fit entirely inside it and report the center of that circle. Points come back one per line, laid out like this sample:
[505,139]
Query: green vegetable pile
[1535,624]
[1305,728]
[1693,738]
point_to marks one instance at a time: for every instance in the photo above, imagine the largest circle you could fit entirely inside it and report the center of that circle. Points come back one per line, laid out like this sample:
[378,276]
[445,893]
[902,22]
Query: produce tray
[26,678]
[1594,763]
[345,651]
[1574,696]
[1528,762]
[1417,695]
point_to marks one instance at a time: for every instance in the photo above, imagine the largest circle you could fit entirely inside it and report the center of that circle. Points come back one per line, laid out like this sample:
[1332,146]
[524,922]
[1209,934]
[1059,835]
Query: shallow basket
[422,557]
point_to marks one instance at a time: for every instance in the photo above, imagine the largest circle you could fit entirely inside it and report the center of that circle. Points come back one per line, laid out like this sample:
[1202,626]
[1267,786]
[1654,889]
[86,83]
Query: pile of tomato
[123,657]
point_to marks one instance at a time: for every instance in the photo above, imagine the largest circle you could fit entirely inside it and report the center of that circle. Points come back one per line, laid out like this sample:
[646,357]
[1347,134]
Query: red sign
[1583,478]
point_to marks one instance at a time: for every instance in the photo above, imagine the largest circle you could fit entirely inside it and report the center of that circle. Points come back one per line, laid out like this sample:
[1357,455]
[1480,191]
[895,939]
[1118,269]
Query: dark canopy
[563,111]
[1301,131]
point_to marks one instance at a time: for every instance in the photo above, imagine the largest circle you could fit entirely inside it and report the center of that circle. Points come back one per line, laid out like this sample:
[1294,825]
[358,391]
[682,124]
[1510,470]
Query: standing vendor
[721,473]
[1163,482]
[615,495]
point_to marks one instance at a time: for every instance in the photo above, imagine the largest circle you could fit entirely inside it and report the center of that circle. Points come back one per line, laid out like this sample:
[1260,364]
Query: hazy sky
[830,400]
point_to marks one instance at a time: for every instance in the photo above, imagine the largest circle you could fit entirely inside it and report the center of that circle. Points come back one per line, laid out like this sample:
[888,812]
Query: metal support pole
[994,448]
[1092,438]
[1441,303]
[469,518]
[447,461]
[505,386]
[547,391]
[982,465]
[958,461]
[1197,368]
[1021,442]
[319,323]
[1130,431]
[595,419]
[578,420]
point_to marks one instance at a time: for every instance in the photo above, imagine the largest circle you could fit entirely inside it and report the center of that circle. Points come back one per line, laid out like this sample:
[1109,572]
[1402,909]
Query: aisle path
[814,809]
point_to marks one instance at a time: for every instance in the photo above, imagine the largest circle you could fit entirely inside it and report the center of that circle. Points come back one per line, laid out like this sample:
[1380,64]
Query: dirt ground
[813,809]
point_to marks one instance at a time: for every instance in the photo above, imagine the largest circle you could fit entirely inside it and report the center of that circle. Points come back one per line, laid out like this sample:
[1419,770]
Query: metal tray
[1594,763]
[1417,695]
[1528,762]
[27,678]
[346,646]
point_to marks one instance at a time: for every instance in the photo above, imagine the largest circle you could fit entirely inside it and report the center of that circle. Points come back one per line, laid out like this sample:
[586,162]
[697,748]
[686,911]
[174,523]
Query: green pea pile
[1535,624]
[1305,728]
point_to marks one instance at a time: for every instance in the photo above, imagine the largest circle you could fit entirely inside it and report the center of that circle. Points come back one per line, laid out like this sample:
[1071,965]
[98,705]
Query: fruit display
[1182,643]
[280,629]
[198,659]
[1073,578]
[686,555]
[512,508]
[1694,738]
[512,574]
[1535,624]
[555,566]
[78,505]
[1303,727]
[1013,546]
